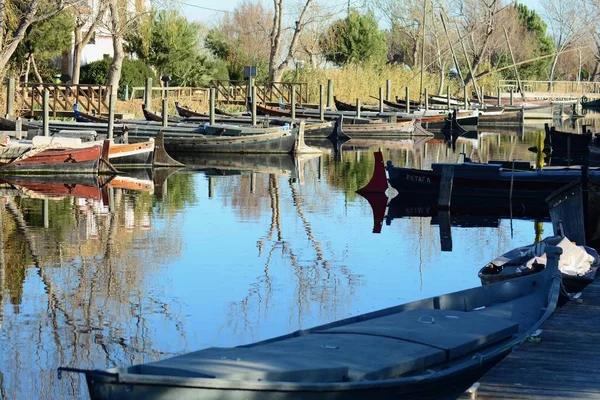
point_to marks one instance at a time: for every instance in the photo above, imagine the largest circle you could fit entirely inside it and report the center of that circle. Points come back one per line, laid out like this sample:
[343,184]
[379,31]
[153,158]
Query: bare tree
[31,13]
[85,18]
[569,23]
[277,67]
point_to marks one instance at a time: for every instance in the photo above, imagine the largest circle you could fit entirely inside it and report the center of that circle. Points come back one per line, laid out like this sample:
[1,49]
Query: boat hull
[132,155]
[61,161]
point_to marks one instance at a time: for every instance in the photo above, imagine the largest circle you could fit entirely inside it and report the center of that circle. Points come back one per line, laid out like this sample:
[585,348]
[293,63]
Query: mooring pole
[466,100]
[293,101]
[165,111]
[407,96]
[321,105]
[10,96]
[111,113]
[380,99]
[357,108]
[329,93]
[45,112]
[448,97]
[148,94]
[211,106]
[388,89]
[253,107]
[426,99]
[511,97]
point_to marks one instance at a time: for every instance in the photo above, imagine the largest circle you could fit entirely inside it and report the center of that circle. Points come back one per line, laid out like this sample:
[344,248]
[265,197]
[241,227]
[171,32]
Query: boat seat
[455,332]
[307,358]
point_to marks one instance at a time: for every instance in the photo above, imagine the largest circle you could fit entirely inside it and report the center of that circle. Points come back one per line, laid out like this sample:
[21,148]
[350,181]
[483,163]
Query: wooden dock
[564,364]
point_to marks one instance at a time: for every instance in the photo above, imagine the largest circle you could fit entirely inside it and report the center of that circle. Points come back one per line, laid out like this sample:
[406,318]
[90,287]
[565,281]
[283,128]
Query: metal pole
[111,114]
[148,94]
[380,99]
[165,117]
[388,89]
[211,106]
[253,100]
[293,101]
[45,112]
[357,108]
[321,108]
[329,93]
[407,97]
[10,96]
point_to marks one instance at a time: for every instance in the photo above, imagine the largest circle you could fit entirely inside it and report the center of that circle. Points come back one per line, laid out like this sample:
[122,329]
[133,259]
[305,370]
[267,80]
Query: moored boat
[578,264]
[430,347]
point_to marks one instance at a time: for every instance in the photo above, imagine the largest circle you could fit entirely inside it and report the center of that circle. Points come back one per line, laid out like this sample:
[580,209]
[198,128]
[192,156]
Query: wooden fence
[177,92]
[90,98]
[235,91]
[556,88]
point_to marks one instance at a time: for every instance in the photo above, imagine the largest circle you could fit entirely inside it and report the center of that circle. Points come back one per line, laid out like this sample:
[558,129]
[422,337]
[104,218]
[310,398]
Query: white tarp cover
[573,261]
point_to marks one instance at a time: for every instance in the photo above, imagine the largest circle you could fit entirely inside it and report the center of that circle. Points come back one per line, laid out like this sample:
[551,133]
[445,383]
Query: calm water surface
[226,252]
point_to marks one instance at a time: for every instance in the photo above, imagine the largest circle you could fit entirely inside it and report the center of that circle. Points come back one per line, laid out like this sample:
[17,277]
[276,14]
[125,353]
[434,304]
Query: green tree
[134,73]
[354,40]
[171,44]
[44,41]
[545,45]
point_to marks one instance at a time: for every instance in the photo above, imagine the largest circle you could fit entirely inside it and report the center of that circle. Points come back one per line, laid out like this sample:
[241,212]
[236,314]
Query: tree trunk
[2,18]
[114,71]
[35,70]
[595,71]
[19,34]
[275,39]
[415,53]
[553,68]
[77,52]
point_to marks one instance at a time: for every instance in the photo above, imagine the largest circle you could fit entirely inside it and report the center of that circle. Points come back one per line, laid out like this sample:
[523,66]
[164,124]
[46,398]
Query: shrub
[134,73]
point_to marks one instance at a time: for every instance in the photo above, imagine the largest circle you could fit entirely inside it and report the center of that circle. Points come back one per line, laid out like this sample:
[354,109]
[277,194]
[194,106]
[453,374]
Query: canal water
[228,251]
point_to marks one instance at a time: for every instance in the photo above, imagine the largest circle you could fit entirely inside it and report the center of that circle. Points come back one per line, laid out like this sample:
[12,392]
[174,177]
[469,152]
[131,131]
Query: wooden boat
[527,260]
[423,348]
[506,118]
[153,116]
[401,128]
[588,103]
[26,159]
[529,187]
[185,112]
[341,106]
[568,143]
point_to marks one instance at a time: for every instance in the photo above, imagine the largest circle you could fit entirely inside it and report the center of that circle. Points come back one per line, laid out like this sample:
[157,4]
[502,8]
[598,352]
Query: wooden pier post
[148,94]
[426,99]
[511,97]
[253,101]
[482,105]
[446,187]
[357,108]
[111,200]
[211,106]
[45,112]
[165,113]
[321,105]
[10,96]
[19,128]
[111,114]
[465,98]
[407,96]
[499,98]
[445,224]
[293,101]
[329,93]
[252,182]
[448,98]
[388,89]
[380,99]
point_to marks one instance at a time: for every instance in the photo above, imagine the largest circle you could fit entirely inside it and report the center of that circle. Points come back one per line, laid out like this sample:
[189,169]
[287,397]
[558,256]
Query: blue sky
[193,11]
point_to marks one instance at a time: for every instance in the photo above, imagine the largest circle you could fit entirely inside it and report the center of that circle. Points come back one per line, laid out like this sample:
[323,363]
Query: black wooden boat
[568,143]
[588,103]
[468,179]
[156,117]
[185,112]
[341,106]
[530,259]
[431,347]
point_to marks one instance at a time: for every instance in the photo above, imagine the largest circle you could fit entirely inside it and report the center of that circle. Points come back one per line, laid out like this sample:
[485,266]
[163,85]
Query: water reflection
[228,251]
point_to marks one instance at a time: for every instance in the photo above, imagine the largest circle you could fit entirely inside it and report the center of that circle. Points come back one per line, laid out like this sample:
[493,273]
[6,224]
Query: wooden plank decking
[565,364]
